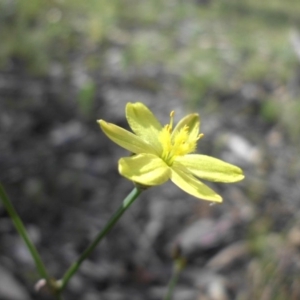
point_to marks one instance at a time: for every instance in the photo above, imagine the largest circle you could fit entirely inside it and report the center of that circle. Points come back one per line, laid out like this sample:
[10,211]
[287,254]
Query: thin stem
[59,296]
[177,268]
[23,233]
[172,283]
[113,220]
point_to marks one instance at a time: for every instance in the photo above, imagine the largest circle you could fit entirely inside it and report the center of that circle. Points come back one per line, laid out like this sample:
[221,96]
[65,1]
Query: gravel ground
[60,172]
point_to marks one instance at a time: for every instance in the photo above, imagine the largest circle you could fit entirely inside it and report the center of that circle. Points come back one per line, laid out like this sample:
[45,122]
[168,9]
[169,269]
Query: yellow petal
[146,169]
[125,138]
[209,168]
[191,185]
[144,124]
[193,123]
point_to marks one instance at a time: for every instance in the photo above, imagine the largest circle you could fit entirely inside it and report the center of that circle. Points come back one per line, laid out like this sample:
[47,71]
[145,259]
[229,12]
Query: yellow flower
[161,153]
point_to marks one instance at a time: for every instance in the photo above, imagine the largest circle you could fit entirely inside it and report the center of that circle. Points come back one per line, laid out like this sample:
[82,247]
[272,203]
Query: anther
[172,113]
[186,128]
[200,136]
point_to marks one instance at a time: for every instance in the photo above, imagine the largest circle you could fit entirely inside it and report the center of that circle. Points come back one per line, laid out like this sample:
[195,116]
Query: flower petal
[125,138]
[191,185]
[210,168]
[144,124]
[193,123]
[146,169]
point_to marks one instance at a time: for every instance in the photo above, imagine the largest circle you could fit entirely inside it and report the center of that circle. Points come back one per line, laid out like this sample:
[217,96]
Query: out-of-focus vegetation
[209,45]
[215,42]
[41,32]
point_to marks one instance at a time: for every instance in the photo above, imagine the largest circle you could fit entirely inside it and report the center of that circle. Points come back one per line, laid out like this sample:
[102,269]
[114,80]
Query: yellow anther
[168,128]
[200,136]
[172,113]
[185,128]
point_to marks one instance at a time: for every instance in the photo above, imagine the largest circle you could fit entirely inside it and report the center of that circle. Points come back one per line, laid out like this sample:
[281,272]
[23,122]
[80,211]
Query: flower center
[176,143]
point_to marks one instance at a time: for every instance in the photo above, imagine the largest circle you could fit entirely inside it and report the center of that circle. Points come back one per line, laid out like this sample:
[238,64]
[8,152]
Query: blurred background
[66,63]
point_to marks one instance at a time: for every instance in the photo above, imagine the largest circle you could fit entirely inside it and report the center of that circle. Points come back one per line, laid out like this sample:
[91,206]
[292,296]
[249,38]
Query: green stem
[23,233]
[59,296]
[177,268]
[113,220]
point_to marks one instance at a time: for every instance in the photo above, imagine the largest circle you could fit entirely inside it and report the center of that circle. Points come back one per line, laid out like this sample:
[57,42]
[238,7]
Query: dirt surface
[60,172]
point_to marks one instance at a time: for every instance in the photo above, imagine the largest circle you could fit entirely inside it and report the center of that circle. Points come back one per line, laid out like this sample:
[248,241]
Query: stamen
[186,128]
[169,128]
[178,143]
[172,113]
[200,136]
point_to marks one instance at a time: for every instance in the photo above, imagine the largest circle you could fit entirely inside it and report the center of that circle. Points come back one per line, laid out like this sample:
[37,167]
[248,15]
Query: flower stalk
[23,233]
[178,266]
[113,220]
[56,287]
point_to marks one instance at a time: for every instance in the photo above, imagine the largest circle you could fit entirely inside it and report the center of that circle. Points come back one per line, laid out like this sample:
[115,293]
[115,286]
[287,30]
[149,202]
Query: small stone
[205,234]
[216,290]
[243,149]
[294,236]
[229,256]
[10,288]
